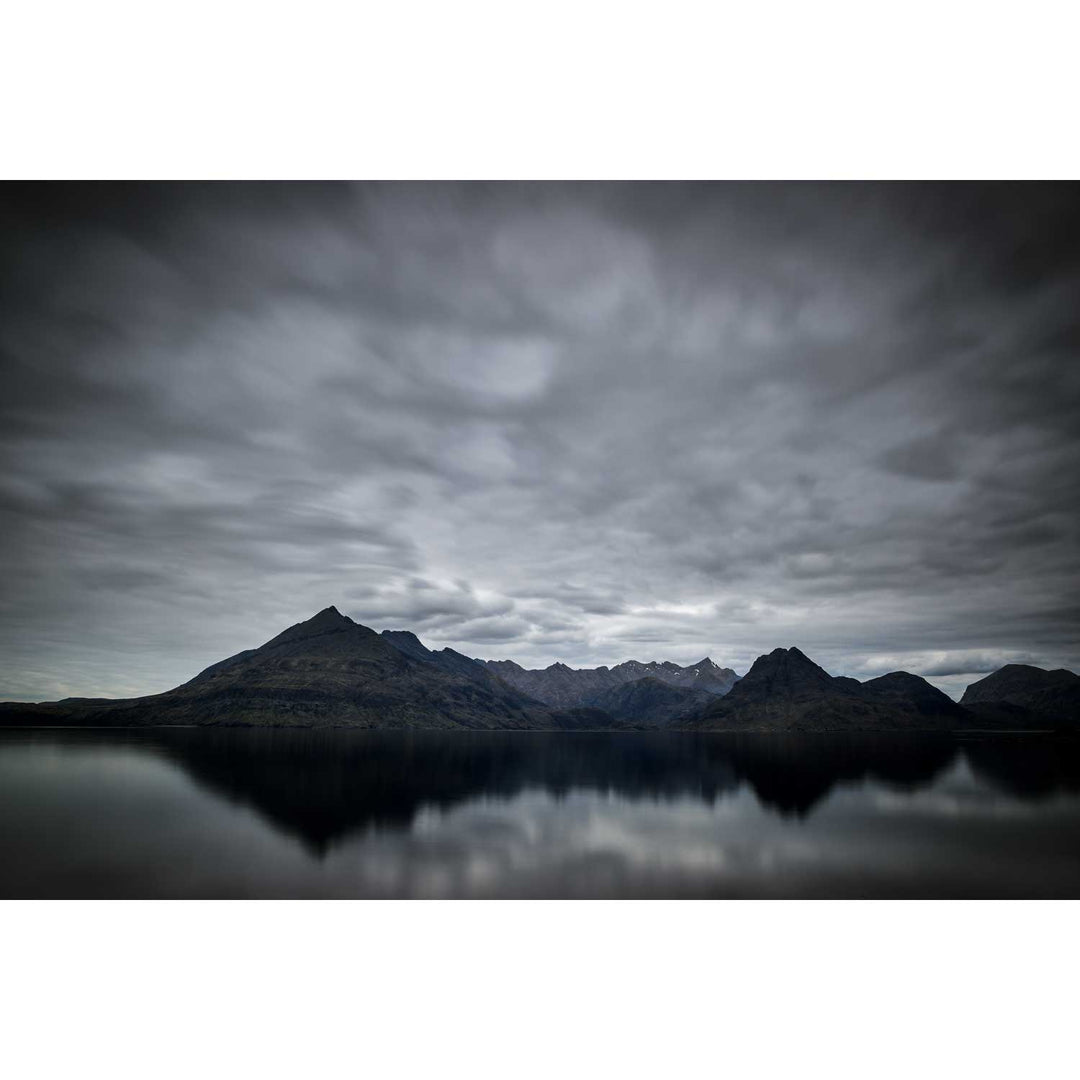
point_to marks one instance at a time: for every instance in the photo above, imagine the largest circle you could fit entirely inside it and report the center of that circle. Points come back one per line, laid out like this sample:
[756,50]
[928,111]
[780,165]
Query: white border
[626,90]
[561,90]
[537,990]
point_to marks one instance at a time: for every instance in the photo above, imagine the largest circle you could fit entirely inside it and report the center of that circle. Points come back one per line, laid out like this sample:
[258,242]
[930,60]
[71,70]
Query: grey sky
[540,422]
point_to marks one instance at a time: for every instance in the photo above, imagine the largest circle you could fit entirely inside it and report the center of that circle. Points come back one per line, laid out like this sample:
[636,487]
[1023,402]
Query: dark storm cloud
[577,422]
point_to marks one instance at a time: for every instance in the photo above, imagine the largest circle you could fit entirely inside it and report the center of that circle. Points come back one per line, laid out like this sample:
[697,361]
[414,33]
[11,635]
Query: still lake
[170,812]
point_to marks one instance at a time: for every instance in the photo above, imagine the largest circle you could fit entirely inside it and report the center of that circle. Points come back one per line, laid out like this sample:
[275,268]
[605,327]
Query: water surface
[245,813]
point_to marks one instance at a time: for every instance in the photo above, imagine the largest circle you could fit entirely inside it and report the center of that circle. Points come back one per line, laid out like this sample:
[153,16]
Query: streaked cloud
[574,422]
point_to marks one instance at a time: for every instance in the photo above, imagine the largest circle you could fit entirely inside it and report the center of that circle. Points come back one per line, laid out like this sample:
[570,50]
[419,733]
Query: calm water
[197,813]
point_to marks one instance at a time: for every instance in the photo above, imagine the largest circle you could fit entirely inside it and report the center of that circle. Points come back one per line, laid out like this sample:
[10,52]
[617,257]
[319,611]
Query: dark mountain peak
[1018,694]
[898,678]
[784,673]
[1015,679]
[558,666]
[913,692]
[901,678]
[327,621]
[329,615]
[1052,695]
[779,654]
[503,666]
[708,666]
[789,663]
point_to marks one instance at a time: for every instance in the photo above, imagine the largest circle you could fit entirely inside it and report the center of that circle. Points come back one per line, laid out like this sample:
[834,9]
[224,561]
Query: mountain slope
[649,702]
[326,672]
[407,642]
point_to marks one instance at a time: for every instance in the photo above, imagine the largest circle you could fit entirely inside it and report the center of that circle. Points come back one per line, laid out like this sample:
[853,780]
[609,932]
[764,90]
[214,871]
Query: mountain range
[330,671]
[565,686]
[786,691]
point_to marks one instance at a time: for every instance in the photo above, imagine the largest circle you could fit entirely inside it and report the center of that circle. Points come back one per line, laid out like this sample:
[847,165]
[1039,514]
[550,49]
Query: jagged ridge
[330,671]
[568,687]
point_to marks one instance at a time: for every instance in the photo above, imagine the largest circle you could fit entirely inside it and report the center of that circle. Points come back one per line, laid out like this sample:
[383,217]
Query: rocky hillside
[651,703]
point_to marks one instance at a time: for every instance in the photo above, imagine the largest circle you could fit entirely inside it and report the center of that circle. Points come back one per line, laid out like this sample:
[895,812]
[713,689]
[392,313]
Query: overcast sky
[542,422]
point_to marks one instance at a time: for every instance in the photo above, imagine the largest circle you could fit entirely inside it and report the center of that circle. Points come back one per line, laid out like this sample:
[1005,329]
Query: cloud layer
[574,422]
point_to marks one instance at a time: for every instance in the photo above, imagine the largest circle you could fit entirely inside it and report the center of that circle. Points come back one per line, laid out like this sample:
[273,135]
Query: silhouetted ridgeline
[332,672]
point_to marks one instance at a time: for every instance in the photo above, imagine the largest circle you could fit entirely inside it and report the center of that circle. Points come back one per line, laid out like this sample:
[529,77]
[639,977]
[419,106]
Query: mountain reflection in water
[529,813]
